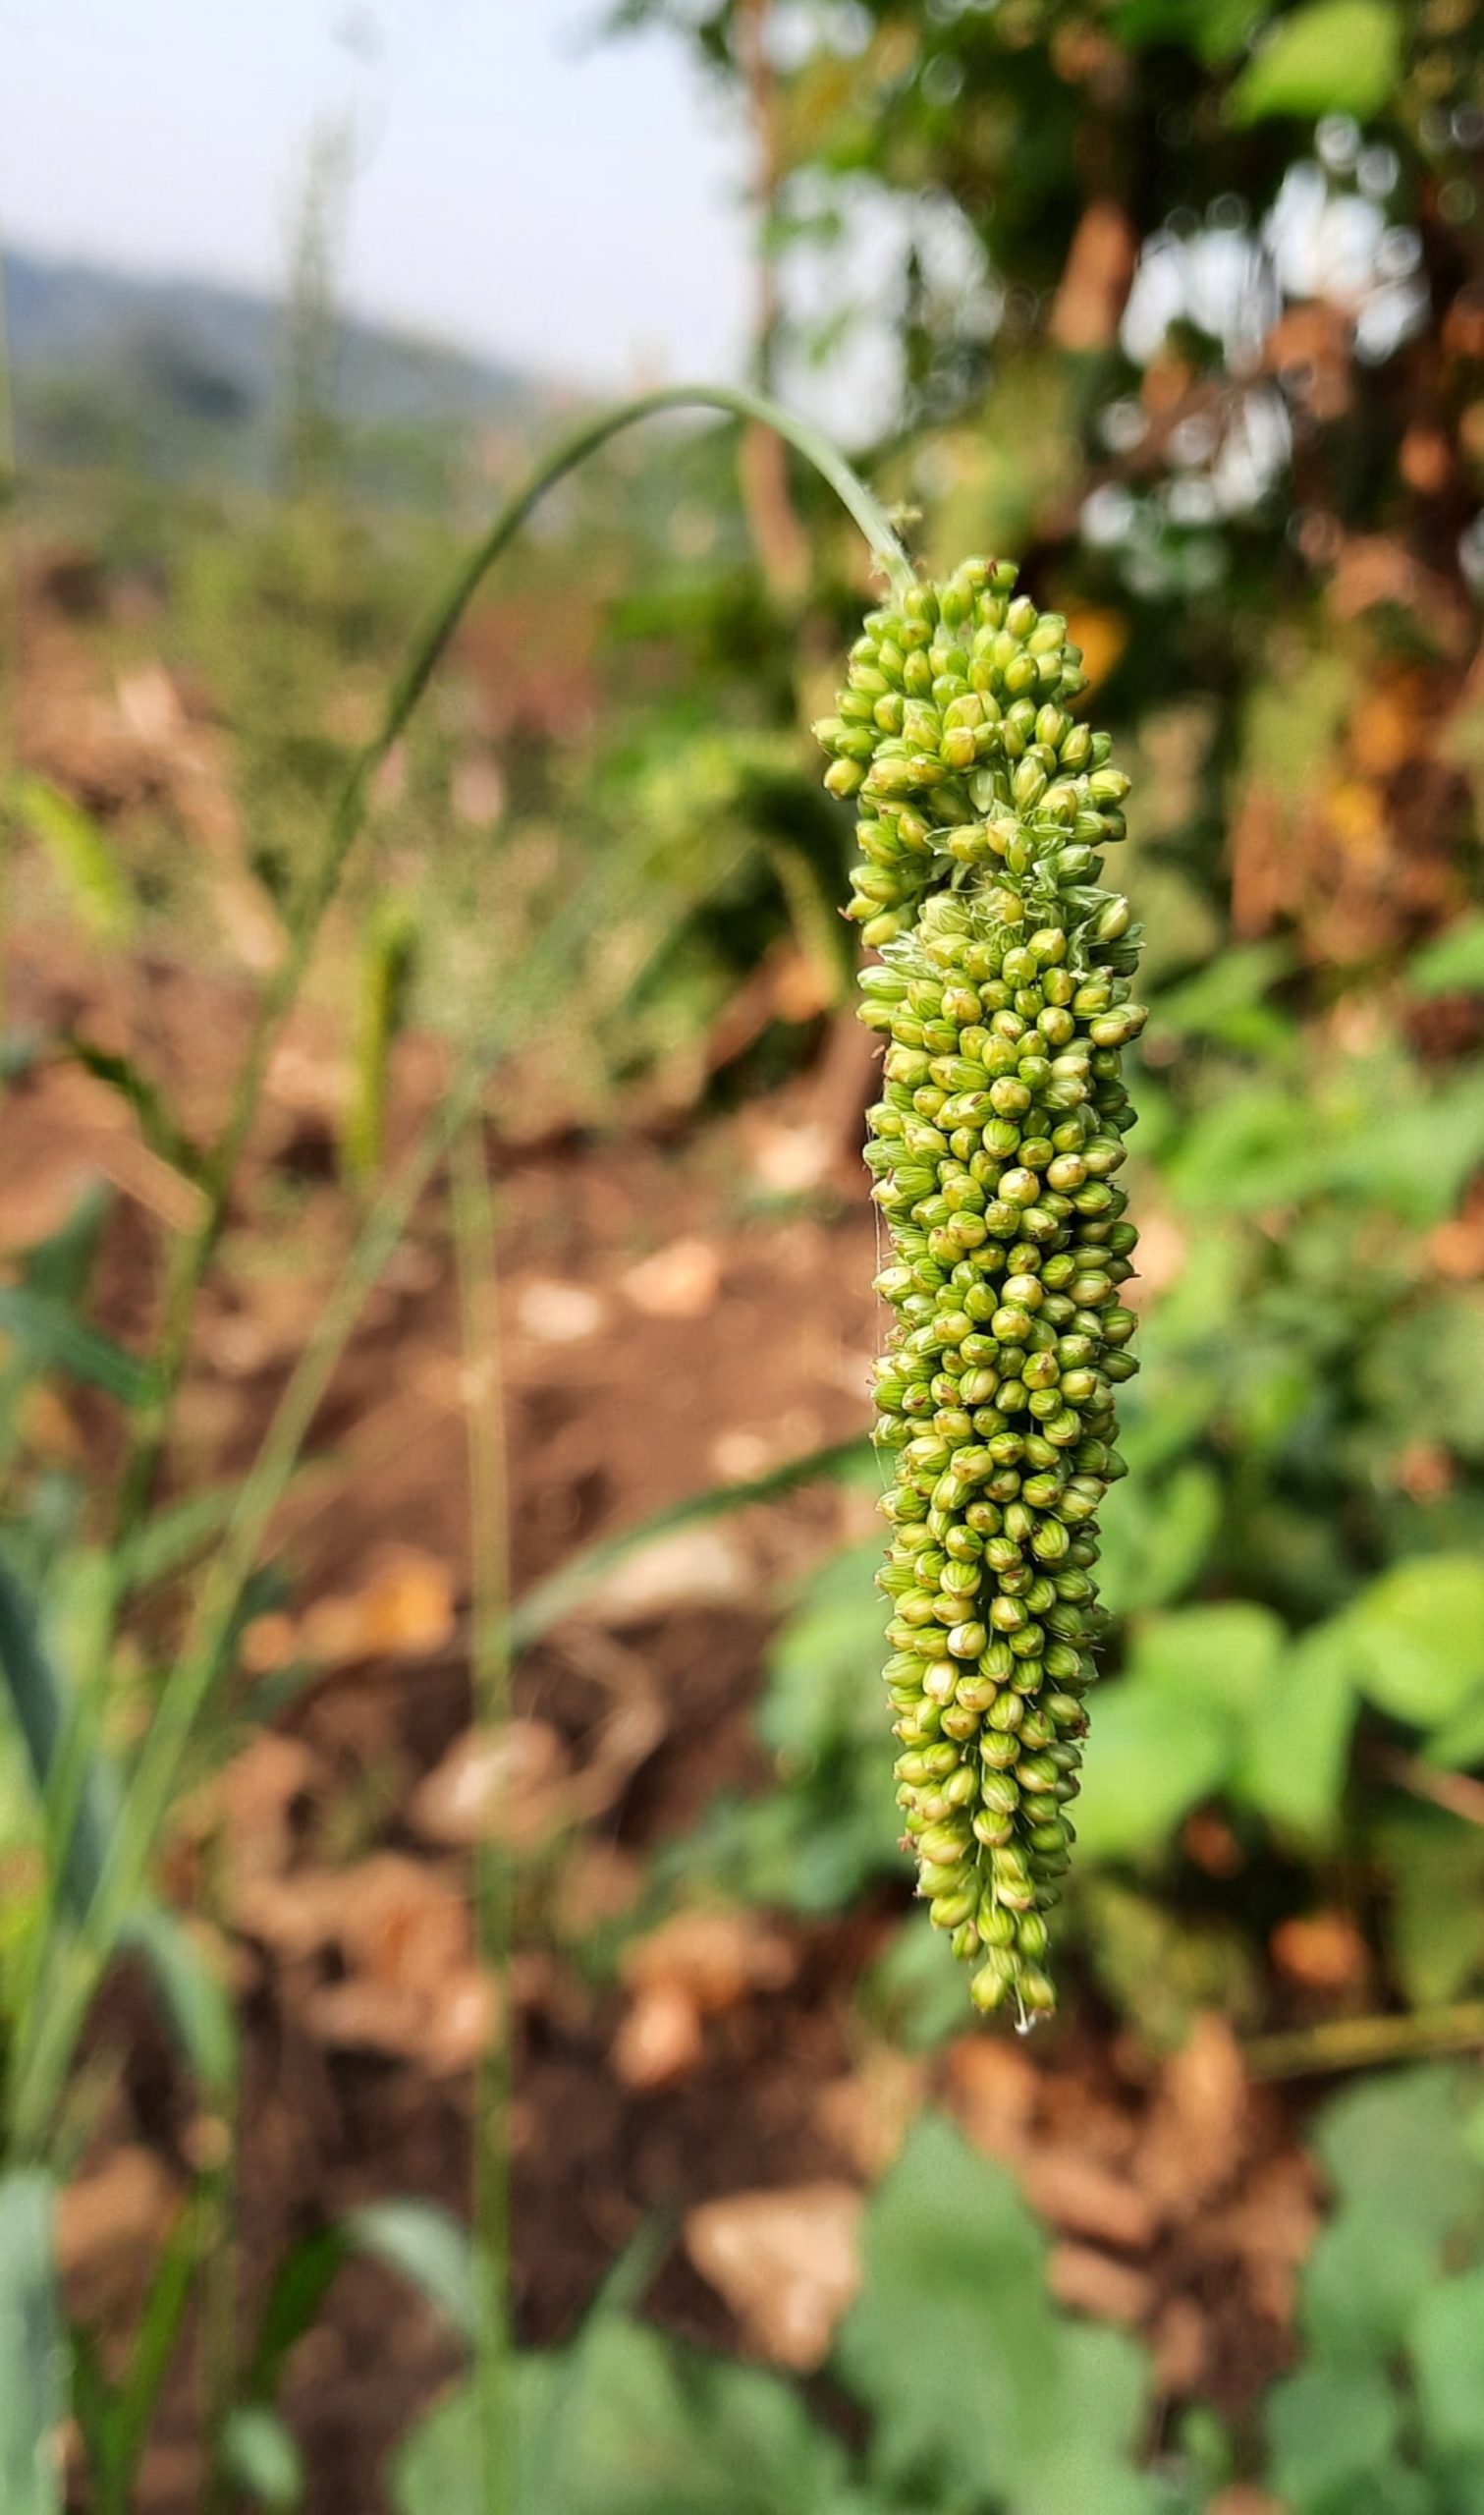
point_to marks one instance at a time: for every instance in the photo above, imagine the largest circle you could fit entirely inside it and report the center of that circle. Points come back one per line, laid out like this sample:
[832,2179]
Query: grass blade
[32,2349]
[52,1337]
[553,1599]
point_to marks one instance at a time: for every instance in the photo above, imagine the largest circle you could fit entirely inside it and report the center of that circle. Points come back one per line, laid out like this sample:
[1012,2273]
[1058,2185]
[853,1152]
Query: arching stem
[195,1250]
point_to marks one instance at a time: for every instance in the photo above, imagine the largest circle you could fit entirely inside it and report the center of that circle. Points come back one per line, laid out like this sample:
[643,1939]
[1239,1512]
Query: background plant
[1179,311]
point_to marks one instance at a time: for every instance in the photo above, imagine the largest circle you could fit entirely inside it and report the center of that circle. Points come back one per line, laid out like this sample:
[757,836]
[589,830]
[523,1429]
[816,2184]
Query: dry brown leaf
[1093,2284]
[1325,1951]
[255,1796]
[404,1611]
[557,1314]
[1094,283]
[514,1784]
[679,1281]
[691,1567]
[1180,2347]
[110,2224]
[786,2262]
[1195,2133]
[717,1956]
[697,1965]
[660,2039]
[992,2088]
[1269,2229]
[869,2113]
[1074,2192]
[444,2026]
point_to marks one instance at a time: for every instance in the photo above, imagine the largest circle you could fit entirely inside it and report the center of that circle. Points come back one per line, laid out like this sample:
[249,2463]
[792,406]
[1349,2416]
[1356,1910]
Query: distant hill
[182,374]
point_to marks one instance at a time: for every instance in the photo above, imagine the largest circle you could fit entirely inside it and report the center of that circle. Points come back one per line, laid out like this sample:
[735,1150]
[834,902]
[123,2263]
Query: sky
[522,188]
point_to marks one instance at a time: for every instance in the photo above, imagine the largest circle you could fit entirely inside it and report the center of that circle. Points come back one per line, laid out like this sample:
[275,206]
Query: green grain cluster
[1003,992]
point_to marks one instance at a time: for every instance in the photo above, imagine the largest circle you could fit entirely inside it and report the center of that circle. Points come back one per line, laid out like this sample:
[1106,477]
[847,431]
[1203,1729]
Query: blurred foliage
[1181,303]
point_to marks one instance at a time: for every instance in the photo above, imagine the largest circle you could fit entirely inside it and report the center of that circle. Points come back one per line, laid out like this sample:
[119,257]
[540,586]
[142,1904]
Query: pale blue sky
[570,204]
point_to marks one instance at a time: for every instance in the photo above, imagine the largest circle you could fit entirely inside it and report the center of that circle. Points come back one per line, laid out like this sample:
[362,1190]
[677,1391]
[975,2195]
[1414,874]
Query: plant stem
[49,2034]
[494,1875]
[195,1251]
[1364,2043]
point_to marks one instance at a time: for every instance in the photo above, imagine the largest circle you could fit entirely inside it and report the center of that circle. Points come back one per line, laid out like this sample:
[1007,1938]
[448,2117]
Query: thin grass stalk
[494,1867]
[48,2034]
[195,1251]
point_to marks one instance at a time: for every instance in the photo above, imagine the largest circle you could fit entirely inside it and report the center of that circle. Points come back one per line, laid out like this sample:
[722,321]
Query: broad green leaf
[1046,2414]
[1226,1656]
[1327,2431]
[1447,2350]
[1419,1636]
[1332,57]
[1297,1754]
[1404,2181]
[32,2356]
[953,2277]
[1157,1535]
[624,2423]
[1453,962]
[1152,1756]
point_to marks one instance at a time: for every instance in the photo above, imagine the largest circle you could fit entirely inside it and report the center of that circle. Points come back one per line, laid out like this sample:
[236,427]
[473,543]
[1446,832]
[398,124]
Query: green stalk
[494,1875]
[195,1251]
[49,2034]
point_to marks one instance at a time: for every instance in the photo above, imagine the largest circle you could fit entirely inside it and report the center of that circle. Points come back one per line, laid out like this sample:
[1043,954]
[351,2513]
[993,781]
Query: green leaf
[1226,1656]
[1447,2349]
[1419,1636]
[427,2247]
[1152,1756]
[1332,57]
[156,1123]
[53,1338]
[81,856]
[1298,1753]
[1453,963]
[197,2004]
[1435,1922]
[1157,1533]
[258,2454]
[44,1715]
[33,2355]
[953,2277]
[1396,2155]
[1327,2431]
[626,2424]
[1036,2409]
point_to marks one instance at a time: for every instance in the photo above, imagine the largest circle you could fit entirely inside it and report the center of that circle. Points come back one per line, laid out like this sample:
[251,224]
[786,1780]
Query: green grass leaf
[424,2245]
[81,857]
[1332,57]
[33,2354]
[52,1337]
